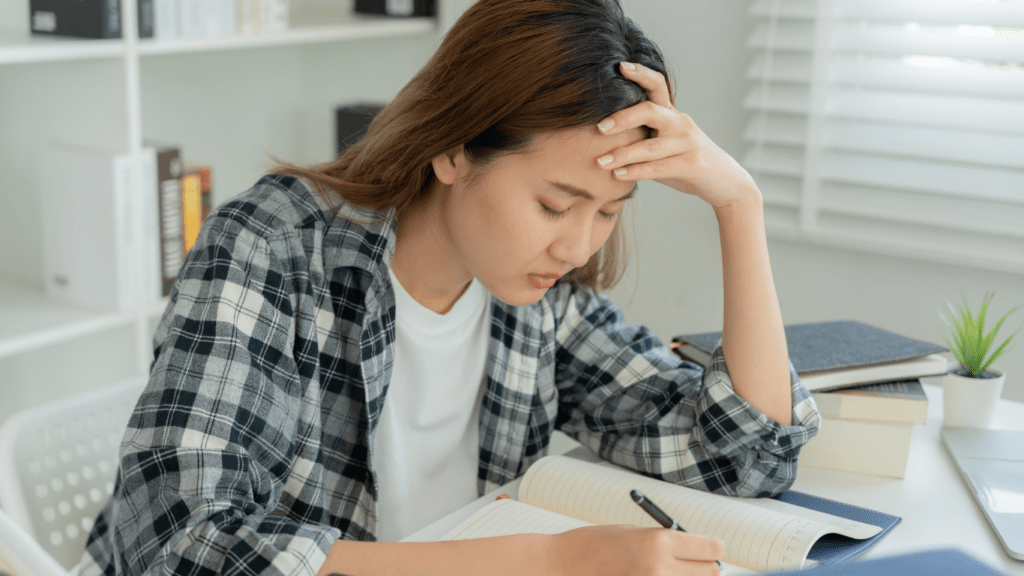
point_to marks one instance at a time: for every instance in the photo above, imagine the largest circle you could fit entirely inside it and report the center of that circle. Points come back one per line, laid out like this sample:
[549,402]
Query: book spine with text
[169,208]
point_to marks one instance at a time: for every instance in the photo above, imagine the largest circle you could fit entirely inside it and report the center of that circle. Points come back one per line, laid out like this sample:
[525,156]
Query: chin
[519,297]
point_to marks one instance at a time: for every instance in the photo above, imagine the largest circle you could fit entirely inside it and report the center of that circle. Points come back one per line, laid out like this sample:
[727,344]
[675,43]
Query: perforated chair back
[58,463]
[21,555]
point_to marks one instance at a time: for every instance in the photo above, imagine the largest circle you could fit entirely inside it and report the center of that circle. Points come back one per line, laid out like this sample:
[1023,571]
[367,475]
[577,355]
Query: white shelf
[27,48]
[334,30]
[31,320]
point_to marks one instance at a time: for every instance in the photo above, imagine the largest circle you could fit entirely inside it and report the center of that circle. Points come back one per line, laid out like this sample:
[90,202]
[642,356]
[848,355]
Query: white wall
[679,289]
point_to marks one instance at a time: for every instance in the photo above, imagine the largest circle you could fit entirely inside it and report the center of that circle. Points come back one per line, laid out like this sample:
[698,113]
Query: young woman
[355,349]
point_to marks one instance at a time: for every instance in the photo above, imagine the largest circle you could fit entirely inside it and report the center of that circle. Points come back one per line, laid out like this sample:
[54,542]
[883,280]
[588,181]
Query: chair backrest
[58,463]
[20,554]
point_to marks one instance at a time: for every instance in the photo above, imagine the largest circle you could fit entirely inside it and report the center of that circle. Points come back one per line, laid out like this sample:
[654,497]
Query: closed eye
[555,215]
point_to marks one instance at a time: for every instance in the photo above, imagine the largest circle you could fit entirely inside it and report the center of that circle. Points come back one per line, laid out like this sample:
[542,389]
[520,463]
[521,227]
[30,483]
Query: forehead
[580,142]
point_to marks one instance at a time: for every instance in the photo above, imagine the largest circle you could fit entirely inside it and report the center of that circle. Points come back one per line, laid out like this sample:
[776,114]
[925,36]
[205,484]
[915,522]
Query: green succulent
[969,342]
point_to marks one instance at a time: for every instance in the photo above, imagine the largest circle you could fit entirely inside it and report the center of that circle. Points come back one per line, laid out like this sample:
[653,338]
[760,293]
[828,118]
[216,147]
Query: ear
[448,164]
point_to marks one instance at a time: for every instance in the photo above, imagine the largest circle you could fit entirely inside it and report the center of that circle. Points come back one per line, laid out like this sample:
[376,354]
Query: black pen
[658,514]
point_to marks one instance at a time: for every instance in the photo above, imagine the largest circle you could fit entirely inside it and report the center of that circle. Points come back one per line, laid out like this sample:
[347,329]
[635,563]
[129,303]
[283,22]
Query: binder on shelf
[87,18]
[81,18]
[400,8]
[87,208]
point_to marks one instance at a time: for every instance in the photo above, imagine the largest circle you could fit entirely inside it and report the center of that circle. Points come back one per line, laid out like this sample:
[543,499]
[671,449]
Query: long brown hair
[506,70]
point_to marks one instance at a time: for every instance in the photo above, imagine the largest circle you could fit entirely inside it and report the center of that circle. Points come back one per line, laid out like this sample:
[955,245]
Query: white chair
[57,469]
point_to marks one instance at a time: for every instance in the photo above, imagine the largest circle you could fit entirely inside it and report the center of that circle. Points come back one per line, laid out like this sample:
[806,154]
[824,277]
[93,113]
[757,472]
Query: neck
[425,260]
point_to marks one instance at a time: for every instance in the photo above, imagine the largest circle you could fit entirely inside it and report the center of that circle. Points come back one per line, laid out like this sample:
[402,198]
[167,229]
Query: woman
[355,349]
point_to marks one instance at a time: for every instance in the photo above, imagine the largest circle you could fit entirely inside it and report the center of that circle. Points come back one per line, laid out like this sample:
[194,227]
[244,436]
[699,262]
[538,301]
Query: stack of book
[88,236]
[866,383]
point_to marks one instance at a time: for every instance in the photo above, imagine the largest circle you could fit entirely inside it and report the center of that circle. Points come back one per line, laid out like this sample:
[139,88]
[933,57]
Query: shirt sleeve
[623,394]
[210,445]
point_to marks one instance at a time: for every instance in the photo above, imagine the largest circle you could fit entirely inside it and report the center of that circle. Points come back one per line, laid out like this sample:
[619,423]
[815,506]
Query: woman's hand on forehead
[679,154]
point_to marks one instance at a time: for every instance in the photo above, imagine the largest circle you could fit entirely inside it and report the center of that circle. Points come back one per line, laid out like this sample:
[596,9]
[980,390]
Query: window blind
[895,126]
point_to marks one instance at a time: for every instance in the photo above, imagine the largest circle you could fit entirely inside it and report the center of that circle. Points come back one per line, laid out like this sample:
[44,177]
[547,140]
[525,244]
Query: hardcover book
[838,354]
[903,401]
[865,447]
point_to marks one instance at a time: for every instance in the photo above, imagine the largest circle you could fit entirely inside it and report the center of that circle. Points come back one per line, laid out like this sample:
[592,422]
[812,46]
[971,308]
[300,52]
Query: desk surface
[937,509]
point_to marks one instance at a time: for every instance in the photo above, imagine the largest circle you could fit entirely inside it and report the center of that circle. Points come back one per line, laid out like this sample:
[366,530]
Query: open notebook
[559,493]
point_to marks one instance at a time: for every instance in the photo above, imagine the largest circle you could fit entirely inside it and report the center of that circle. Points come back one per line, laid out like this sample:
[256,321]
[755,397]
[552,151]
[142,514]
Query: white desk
[936,507]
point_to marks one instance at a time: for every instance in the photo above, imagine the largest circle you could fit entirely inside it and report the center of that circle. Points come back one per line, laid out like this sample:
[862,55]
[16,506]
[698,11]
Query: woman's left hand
[679,155]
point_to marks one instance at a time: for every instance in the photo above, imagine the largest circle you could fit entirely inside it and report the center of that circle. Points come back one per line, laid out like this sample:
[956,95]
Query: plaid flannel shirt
[249,450]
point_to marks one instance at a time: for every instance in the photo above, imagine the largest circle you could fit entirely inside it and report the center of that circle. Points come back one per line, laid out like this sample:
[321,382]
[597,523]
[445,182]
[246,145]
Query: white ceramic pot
[971,402]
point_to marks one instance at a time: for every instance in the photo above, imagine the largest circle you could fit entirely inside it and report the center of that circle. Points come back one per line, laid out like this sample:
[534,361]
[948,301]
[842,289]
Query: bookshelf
[228,101]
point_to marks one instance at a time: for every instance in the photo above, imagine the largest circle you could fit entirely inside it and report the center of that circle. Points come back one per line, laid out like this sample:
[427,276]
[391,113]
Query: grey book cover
[834,345]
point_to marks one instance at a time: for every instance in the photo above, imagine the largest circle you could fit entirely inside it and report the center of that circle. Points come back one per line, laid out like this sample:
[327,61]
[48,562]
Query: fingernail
[605,160]
[606,124]
[628,66]
[620,171]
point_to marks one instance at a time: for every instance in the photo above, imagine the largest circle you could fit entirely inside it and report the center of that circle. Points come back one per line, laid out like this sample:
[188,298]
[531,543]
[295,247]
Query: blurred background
[881,229]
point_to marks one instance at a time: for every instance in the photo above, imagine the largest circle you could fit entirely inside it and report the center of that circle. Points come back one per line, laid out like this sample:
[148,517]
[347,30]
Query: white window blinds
[895,126]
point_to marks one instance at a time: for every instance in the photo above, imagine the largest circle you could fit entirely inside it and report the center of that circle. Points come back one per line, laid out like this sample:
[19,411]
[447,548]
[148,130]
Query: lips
[543,281]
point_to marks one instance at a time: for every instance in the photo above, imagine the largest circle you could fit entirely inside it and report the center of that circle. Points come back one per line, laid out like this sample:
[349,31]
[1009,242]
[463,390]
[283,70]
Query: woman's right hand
[622,550]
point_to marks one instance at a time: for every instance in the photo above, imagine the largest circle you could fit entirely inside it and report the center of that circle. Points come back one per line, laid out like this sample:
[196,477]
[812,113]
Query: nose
[573,245]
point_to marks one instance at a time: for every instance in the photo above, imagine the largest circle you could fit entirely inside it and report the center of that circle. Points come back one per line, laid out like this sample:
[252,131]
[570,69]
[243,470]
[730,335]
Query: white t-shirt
[426,447]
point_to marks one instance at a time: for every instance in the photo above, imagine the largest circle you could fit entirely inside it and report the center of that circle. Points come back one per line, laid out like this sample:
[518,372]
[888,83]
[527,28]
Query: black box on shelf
[396,7]
[351,122]
[86,18]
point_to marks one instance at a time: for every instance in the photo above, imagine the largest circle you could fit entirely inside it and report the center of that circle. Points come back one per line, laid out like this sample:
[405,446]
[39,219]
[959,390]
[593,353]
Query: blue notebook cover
[941,562]
[832,549]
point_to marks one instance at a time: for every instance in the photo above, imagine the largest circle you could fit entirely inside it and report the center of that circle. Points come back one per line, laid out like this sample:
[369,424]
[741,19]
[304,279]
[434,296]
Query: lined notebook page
[756,538]
[503,517]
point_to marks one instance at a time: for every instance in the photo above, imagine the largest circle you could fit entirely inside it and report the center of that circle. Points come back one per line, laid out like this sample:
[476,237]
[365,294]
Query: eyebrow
[581,193]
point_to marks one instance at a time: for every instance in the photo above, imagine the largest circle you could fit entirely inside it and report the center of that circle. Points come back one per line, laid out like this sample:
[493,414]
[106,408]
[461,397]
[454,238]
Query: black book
[838,354]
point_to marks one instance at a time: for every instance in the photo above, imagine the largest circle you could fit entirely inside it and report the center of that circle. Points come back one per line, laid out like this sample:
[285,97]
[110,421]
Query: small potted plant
[971,392]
